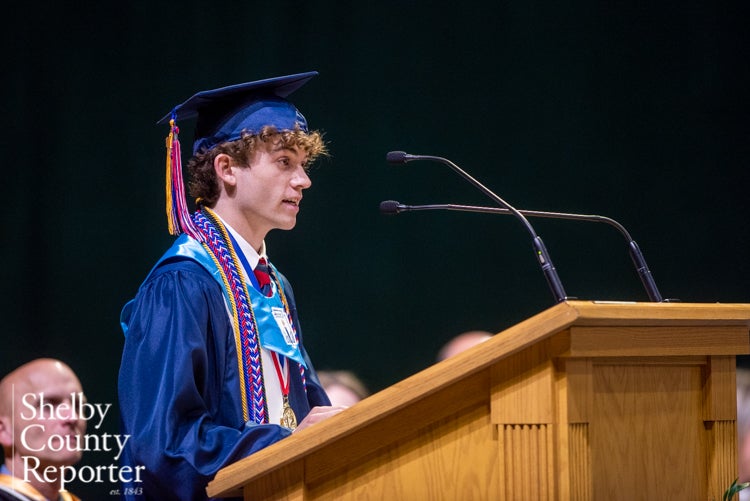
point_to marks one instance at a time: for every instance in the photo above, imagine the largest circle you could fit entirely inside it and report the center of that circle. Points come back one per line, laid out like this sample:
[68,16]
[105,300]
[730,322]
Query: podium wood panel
[656,410]
[582,401]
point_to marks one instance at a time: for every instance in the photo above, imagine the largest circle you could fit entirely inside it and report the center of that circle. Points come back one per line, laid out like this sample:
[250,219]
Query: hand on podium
[318,414]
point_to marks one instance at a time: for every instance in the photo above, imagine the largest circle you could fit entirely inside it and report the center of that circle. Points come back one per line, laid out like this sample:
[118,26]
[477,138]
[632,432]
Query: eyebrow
[293,149]
[281,145]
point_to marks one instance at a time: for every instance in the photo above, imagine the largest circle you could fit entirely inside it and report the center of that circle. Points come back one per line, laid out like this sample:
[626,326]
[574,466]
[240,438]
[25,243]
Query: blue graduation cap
[222,115]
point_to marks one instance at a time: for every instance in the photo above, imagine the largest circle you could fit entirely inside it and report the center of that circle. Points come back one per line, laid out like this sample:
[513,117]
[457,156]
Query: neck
[240,224]
[50,490]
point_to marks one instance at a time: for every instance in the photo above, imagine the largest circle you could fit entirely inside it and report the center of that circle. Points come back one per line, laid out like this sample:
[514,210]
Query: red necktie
[264,279]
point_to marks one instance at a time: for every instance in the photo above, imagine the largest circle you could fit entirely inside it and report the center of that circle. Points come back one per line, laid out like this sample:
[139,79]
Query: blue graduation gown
[179,391]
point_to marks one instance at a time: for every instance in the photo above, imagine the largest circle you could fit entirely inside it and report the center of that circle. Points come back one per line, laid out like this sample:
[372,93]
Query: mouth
[292,203]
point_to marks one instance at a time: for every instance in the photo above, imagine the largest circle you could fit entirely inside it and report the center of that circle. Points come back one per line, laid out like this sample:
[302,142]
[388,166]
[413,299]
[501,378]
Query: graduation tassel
[172,143]
[178,216]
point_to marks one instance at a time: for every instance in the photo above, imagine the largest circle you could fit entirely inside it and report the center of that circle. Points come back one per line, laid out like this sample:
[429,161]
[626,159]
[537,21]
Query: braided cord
[217,240]
[237,335]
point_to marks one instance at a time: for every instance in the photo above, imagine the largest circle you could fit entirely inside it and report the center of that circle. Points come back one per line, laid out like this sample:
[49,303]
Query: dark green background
[633,110]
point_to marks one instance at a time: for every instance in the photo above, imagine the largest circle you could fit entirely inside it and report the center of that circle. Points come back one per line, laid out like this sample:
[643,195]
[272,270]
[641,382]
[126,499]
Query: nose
[301,180]
[73,421]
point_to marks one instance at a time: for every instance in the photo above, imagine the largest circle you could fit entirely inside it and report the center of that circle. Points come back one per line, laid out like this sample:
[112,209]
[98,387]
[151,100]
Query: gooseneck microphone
[550,273]
[393,207]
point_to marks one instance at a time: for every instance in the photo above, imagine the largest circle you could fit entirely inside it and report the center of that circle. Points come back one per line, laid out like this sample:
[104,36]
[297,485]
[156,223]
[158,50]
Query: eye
[55,401]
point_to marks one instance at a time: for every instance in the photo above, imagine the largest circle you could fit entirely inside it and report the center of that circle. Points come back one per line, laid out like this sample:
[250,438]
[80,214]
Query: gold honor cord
[237,342]
[235,313]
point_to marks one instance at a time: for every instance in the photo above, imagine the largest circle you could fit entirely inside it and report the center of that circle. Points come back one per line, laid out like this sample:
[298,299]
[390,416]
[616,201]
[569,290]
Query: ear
[224,168]
[6,431]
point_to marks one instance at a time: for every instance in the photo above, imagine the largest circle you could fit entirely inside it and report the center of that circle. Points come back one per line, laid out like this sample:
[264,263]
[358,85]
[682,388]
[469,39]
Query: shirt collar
[250,253]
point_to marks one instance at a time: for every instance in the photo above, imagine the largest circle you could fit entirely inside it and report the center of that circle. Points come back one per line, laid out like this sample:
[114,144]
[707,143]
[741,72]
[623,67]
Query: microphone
[391,207]
[550,273]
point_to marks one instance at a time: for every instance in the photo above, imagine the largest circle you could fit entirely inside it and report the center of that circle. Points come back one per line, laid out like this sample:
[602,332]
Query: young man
[31,438]
[213,367]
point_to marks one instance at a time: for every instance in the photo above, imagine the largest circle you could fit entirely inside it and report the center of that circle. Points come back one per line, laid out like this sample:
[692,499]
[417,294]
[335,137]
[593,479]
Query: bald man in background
[55,383]
[462,342]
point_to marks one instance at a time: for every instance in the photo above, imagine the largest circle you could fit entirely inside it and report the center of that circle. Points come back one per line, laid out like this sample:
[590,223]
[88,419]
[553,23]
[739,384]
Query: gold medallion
[288,419]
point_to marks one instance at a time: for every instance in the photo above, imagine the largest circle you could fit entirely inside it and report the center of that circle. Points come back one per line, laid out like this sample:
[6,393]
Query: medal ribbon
[283,376]
[288,419]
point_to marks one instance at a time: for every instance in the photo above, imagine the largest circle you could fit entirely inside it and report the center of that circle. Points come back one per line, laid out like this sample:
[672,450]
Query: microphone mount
[550,273]
[644,273]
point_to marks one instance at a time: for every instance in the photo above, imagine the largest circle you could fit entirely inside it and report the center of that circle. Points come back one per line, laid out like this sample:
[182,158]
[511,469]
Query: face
[43,421]
[269,192]
[341,395]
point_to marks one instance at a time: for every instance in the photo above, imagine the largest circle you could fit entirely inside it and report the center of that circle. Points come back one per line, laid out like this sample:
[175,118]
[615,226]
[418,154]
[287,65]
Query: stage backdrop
[636,111]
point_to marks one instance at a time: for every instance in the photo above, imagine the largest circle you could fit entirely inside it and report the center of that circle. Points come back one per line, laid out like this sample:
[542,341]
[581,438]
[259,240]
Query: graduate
[214,367]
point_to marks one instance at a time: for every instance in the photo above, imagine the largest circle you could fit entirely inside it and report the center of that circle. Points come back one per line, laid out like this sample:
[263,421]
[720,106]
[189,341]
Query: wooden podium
[583,401]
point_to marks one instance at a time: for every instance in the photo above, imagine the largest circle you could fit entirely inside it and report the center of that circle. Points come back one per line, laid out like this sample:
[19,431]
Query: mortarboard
[222,115]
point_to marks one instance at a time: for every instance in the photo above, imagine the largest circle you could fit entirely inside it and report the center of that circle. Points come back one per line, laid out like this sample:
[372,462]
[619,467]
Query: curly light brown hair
[203,183]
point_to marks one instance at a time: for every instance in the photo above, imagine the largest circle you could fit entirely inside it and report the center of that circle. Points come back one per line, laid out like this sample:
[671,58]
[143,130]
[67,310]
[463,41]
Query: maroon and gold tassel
[173,144]
[178,216]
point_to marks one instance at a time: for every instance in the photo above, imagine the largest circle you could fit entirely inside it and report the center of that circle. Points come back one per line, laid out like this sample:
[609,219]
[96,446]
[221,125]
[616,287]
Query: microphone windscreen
[396,157]
[389,207]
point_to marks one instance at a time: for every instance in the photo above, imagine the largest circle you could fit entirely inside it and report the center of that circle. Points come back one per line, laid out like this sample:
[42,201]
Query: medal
[288,419]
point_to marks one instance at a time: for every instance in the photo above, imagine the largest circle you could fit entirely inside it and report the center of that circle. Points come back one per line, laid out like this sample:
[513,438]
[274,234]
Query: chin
[68,459]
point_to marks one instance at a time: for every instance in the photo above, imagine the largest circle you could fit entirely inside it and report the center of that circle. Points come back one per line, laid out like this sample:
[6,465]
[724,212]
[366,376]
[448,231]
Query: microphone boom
[550,273]
[392,207]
